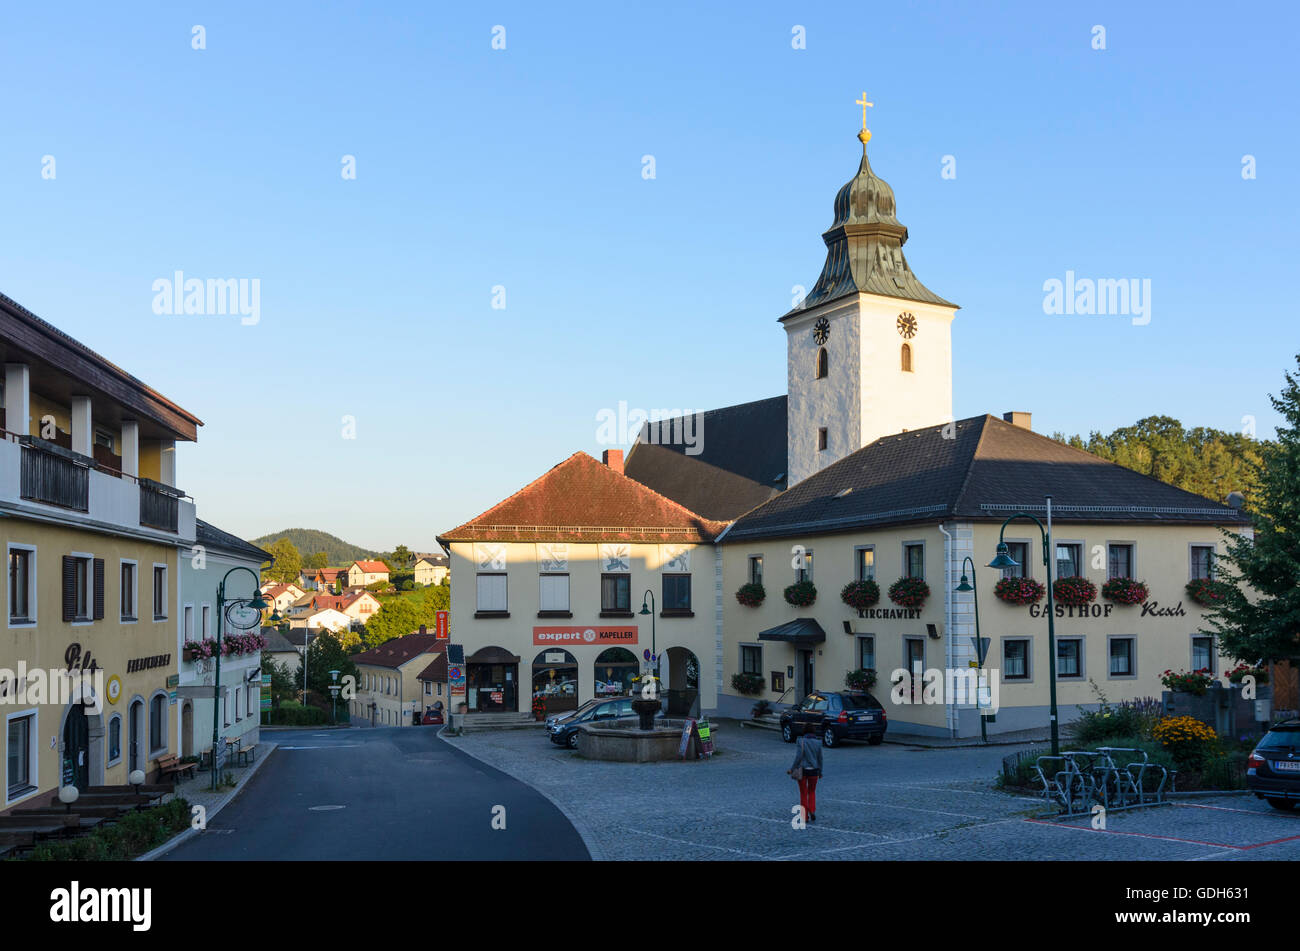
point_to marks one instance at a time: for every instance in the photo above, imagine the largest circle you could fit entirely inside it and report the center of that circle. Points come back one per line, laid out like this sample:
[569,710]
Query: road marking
[889,805]
[324,808]
[701,845]
[1144,835]
[872,845]
[332,746]
[1249,812]
[813,824]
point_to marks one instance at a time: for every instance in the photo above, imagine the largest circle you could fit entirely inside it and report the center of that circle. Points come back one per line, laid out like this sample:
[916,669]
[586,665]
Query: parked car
[565,732]
[1273,770]
[847,715]
[555,718]
[432,718]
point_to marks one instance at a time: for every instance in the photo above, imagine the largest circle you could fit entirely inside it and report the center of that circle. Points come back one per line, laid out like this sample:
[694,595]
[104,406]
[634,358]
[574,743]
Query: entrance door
[134,738]
[916,666]
[804,669]
[187,730]
[76,748]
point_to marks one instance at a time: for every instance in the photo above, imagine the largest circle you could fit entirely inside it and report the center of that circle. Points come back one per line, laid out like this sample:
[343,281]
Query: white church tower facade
[869,351]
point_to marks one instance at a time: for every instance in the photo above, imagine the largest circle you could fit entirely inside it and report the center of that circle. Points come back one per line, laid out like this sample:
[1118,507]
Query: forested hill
[308,541]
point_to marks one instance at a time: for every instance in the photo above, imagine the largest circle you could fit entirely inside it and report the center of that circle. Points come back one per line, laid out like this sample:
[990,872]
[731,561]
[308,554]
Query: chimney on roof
[424,629]
[614,459]
[1023,420]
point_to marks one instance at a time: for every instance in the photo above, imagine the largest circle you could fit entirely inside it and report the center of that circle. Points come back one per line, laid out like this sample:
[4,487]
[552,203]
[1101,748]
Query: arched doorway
[135,736]
[615,668]
[681,682]
[187,729]
[492,680]
[76,748]
[555,680]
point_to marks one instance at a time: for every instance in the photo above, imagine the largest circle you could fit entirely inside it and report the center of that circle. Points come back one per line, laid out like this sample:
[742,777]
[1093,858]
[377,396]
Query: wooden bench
[170,765]
[247,753]
[166,788]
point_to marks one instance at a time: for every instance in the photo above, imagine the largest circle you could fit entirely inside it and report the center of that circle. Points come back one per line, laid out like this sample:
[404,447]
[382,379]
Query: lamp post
[257,602]
[650,610]
[334,696]
[965,586]
[1003,559]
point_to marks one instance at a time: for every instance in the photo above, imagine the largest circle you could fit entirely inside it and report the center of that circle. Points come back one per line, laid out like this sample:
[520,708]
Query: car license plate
[869,716]
[1287,766]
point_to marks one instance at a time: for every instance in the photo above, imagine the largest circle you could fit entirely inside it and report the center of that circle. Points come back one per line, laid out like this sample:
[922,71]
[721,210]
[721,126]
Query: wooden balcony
[54,475]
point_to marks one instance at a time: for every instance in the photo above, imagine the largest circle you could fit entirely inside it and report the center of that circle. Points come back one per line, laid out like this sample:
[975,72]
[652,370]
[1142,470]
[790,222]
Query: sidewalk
[1017,738]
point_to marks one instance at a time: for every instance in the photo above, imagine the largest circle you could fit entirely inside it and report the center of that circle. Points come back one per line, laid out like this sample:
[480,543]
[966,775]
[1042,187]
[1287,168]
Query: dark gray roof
[802,630]
[741,462]
[209,536]
[985,470]
[276,643]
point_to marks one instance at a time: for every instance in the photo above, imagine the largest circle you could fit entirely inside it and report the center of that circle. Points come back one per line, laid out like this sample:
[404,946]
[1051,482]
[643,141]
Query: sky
[384,394]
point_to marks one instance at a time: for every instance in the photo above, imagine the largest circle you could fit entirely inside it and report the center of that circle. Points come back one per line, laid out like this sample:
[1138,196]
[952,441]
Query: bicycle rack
[1113,777]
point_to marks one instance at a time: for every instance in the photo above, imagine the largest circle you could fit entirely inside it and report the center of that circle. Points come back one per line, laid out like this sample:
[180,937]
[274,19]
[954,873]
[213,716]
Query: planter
[1125,591]
[751,595]
[861,679]
[909,592]
[1205,592]
[748,684]
[1019,591]
[801,594]
[1074,592]
[860,595]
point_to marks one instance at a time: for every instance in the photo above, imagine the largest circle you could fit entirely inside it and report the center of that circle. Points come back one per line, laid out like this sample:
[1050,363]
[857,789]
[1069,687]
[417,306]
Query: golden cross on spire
[866,133]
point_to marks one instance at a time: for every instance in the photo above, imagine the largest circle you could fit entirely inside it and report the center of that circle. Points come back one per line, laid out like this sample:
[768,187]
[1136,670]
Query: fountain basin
[628,743]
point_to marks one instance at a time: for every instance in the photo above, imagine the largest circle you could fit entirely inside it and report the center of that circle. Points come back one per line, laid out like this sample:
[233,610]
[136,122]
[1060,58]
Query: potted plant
[801,594]
[1075,591]
[1194,682]
[909,592]
[1019,590]
[760,709]
[1205,591]
[860,595]
[1242,671]
[747,684]
[751,595]
[861,679]
[1125,591]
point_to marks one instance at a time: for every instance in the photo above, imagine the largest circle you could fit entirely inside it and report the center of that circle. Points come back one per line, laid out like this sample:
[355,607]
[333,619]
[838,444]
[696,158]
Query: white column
[130,447]
[18,407]
[83,437]
[167,465]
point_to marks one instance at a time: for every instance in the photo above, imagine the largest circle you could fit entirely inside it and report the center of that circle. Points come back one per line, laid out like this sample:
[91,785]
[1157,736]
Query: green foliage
[1259,616]
[282,682]
[298,715]
[401,557]
[747,684]
[134,834]
[287,563]
[405,613]
[326,653]
[801,594]
[751,594]
[338,551]
[318,559]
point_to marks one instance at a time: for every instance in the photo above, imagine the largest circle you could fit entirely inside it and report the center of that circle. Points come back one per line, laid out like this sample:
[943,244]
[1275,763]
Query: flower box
[1074,591]
[751,595]
[1205,592]
[861,679]
[1242,671]
[1019,590]
[860,595]
[1194,682]
[748,684]
[801,594]
[1125,591]
[909,592]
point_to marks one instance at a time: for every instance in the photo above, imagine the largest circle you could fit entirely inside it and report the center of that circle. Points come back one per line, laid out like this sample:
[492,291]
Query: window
[914,560]
[1069,560]
[1120,561]
[22,585]
[906,358]
[1019,552]
[823,364]
[225,707]
[616,593]
[158,722]
[83,588]
[188,626]
[554,594]
[677,594]
[755,569]
[867,652]
[1015,659]
[104,439]
[205,620]
[821,439]
[492,593]
[1069,657]
[114,739]
[160,592]
[128,590]
[805,571]
[1202,562]
[751,659]
[1203,654]
[1121,657]
[238,715]
[19,754]
[864,564]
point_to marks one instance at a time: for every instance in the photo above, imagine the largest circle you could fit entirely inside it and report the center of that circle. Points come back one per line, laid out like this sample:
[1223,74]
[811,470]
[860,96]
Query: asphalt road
[387,793]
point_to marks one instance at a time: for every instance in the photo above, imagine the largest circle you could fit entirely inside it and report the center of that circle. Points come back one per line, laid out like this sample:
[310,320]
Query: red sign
[584,635]
[498,697]
[442,626]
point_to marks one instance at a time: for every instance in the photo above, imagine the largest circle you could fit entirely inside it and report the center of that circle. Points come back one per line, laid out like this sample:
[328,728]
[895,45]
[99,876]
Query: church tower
[869,351]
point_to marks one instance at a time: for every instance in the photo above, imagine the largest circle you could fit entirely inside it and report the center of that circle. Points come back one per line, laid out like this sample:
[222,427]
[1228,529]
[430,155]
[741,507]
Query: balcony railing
[54,476]
[159,505]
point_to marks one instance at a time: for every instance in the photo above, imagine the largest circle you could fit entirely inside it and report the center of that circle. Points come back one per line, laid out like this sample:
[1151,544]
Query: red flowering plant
[1182,681]
[1241,671]
[1074,591]
[751,595]
[200,650]
[801,594]
[909,592]
[860,595]
[1205,591]
[1019,590]
[1125,591]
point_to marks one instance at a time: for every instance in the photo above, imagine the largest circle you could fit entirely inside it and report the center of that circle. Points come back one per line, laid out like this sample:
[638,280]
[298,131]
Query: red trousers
[808,794]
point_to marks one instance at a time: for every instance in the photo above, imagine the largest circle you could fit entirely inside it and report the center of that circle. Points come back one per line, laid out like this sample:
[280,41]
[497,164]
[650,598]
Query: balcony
[159,505]
[54,475]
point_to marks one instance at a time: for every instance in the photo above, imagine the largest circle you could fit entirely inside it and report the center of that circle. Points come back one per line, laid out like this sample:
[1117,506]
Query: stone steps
[769,721]
[487,722]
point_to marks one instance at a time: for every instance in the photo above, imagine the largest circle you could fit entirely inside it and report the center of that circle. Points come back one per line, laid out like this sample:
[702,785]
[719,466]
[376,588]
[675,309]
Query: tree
[286,564]
[1259,618]
[401,557]
[282,683]
[404,614]
[325,652]
[318,560]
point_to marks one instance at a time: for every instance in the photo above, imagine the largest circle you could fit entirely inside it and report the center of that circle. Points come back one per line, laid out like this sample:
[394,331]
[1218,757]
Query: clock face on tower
[821,330]
[907,325]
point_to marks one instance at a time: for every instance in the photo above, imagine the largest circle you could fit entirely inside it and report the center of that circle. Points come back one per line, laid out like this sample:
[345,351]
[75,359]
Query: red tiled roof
[397,652]
[372,567]
[329,574]
[436,671]
[581,500]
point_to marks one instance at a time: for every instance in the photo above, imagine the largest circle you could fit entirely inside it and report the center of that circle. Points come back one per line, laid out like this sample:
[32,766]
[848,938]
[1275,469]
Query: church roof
[741,460]
[864,246]
[977,469]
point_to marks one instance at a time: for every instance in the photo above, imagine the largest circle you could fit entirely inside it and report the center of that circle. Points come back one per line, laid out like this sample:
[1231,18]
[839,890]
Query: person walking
[807,769]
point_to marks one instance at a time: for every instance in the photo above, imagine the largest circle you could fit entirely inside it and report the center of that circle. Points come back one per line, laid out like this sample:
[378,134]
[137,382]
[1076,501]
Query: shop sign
[442,625]
[543,636]
[890,614]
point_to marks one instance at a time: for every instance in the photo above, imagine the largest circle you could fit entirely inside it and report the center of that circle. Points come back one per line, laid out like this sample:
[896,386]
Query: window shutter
[69,588]
[99,588]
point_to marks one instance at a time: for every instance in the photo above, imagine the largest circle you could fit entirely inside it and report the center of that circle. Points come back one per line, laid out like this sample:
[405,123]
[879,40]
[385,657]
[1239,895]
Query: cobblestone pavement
[874,803]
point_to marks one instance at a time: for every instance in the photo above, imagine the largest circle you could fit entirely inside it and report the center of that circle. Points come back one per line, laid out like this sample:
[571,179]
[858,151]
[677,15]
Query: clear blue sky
[522,167]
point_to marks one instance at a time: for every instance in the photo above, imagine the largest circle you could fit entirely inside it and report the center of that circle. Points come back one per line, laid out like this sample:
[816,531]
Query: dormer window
[823,363]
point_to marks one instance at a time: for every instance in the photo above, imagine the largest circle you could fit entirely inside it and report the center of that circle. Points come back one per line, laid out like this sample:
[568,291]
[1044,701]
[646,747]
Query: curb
[221,804]
[580,826]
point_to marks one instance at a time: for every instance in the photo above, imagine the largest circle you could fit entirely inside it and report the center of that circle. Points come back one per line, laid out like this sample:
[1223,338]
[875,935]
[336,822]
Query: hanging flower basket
[200,650]
[801,594]
[909,592]
[861,679]
[751,595]
[860,595]
[748,684]
[1205,592]
[1074,591]
[1125,591]
[1019,590]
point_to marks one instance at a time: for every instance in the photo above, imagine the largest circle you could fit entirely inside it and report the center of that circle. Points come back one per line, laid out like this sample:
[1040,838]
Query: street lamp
[1003,559]
[334,696]
[650,610]
[966,586]
[258,603]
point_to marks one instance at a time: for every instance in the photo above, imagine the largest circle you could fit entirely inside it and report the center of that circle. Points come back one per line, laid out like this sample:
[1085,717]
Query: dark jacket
[808,754]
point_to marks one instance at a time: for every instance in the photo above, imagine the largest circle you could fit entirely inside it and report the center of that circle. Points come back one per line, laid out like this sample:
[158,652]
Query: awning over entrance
[803,630]
[492,655]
